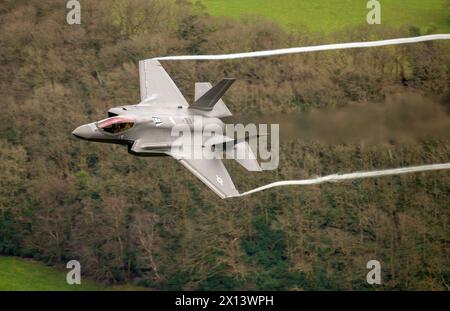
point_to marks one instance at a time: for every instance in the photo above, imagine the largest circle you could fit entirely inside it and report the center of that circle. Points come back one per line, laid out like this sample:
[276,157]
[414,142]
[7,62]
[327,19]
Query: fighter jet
[147,127]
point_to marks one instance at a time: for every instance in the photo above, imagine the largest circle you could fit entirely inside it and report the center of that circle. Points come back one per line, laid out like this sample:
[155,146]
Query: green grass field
[332,15]
[25,274]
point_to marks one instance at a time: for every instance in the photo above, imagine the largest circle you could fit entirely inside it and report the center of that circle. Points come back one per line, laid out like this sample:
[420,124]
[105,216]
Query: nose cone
[83,132]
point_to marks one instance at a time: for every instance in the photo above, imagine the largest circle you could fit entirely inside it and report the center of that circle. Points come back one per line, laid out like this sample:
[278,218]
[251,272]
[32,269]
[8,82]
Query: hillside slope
[329,16]
[26,274]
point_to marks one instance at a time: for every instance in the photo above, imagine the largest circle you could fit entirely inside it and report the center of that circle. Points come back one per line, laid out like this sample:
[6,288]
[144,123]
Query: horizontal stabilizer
[238,149]
[243,154]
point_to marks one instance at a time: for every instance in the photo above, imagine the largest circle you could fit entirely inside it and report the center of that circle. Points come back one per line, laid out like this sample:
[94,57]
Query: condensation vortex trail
[295,50]
[316,48]
[349,176]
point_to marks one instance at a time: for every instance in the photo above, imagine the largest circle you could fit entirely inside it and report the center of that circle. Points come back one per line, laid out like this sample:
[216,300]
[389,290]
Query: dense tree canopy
[151,222]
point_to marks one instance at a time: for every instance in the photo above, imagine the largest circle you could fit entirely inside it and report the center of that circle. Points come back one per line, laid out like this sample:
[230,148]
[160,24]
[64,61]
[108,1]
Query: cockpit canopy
[116,124]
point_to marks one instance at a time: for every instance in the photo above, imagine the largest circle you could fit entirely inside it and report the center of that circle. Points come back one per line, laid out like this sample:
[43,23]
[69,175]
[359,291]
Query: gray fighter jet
[147,128]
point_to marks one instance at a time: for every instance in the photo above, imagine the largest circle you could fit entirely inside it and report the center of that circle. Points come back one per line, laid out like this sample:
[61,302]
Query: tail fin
[209,99]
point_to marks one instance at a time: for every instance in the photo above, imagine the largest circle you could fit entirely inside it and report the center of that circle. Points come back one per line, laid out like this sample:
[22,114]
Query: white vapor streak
[355,175]
[325,47]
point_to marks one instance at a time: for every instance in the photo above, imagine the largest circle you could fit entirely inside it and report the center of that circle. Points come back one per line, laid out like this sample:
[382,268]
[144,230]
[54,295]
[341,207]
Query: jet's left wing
[214,174]
[157,86]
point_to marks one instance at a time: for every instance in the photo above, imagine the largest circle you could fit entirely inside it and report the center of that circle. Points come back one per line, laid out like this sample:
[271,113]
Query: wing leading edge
[213,173]
[156,85]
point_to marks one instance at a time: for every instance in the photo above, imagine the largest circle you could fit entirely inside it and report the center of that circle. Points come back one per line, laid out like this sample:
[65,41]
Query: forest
[149,222]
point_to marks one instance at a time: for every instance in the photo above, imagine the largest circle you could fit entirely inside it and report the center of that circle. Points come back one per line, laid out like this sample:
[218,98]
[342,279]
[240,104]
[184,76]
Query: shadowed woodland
[151,222]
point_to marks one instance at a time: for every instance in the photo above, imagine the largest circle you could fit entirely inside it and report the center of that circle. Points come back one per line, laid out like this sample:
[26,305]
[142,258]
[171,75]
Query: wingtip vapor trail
[351,176]
[295,50]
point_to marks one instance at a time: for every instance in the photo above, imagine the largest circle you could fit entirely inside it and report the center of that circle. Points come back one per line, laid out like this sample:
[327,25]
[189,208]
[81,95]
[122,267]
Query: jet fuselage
[154,125]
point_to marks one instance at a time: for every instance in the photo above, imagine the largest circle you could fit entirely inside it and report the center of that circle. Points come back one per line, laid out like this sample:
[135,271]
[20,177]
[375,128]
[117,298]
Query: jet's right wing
[157,85]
